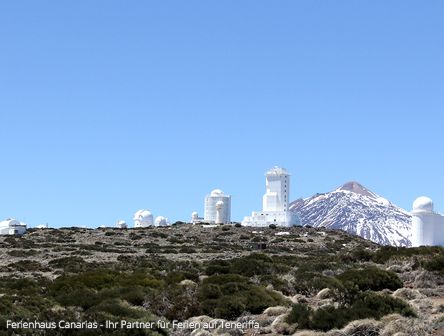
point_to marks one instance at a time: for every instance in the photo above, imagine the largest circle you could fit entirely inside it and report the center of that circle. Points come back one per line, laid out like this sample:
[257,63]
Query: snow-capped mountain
[359,211]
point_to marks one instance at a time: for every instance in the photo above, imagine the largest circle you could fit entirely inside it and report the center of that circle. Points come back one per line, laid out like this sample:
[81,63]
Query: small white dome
[14,222]
[219,204]
[423,204]
[194,214]
[160,221]
[121,224]
[217,192]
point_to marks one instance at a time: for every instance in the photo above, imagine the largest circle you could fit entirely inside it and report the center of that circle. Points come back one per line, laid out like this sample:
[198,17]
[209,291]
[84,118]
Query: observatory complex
[427,225]
[275,202]
[217,207]
[144,218]
[12,226]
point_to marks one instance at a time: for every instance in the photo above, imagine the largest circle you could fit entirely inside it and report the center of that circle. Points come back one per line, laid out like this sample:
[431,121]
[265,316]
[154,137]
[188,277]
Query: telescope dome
[217,192]
[423,204]
[160,221]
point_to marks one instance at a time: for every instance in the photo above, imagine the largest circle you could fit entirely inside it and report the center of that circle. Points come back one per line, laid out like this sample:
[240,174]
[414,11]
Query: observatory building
[121,224]
[427,225]
[275,202]
[143,218]
[195,218]
[160,221]
[217,207]
[12,227]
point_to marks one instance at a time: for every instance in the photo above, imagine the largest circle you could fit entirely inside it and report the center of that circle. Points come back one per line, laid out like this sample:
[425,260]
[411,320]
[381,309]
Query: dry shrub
[276,311]
[366,327]
[200,332]
[188,283]
[395,324]
[299,298]
[408,294]
[424,306]
[426,279]
[281,327]
[324,293]
[309,333]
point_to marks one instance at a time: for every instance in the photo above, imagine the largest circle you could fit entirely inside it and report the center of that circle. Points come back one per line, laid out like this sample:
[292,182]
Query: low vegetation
[229,272]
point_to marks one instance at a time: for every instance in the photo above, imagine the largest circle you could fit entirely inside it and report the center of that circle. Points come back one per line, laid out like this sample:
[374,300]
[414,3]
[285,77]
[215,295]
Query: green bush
[80,297]
[385,253]
[116,308]
[27,266]
[22,253]
[229,295]
[329,317]
[377,305]
[435,264]
[250,265]
[366,305]
[310,283]
[300,313]
[69,264]
[371,278]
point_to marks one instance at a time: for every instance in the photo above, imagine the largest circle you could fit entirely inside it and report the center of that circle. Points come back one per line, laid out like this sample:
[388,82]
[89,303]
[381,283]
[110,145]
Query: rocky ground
[183,258]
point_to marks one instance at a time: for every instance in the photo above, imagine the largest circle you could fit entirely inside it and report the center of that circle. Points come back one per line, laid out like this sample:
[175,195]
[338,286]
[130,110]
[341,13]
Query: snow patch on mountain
[357,210]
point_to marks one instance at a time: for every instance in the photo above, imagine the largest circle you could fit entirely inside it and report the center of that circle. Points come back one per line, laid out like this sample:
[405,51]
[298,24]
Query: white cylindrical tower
[194,217]
[423,226]
[219,212]
[210,214]
[143,218]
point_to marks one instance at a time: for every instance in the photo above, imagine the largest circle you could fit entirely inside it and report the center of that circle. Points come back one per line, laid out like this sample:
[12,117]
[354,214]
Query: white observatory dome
[219,204]
[142,214]
[160,221]
[12,222]
[143,218]
[121,224]
[423,204]
[217,192]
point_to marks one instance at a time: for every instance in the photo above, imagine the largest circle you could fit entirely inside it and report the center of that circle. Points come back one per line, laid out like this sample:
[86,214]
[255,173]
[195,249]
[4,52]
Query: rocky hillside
[359,211]
[227,280]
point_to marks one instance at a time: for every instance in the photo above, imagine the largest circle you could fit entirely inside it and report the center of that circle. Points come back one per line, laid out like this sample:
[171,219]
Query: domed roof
[217,192]
[160,221]
[142,214]
[11,222]
[121,224]
[219,203]
[423,204]
[194,214]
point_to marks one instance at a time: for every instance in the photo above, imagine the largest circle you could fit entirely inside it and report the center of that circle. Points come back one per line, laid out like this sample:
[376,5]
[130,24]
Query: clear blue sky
[107,107]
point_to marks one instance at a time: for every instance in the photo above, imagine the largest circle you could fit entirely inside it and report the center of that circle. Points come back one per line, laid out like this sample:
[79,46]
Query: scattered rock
[276,311]
[324,294]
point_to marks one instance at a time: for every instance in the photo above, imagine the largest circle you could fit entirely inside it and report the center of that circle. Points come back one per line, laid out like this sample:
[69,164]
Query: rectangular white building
[275,202]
